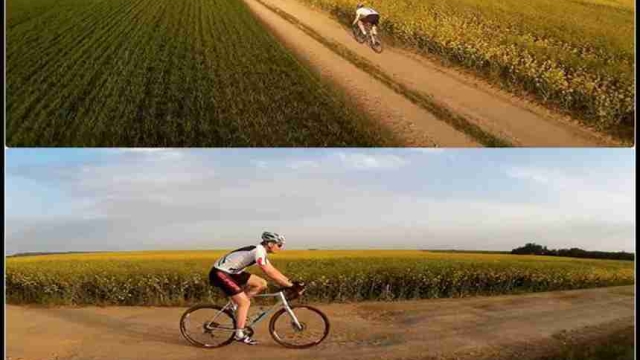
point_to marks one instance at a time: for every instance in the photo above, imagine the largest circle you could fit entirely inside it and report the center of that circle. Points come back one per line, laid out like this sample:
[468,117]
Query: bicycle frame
[282,302]
[369,36]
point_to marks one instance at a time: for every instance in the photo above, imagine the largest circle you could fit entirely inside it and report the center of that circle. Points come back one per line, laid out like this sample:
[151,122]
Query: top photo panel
[320,73]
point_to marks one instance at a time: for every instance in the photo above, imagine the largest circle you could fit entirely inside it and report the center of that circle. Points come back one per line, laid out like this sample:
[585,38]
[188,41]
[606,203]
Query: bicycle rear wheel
[208,326]
[315,327]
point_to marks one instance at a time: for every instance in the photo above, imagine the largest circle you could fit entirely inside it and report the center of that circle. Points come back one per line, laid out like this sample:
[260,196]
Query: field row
[164,73]
[577,56]
[181,278]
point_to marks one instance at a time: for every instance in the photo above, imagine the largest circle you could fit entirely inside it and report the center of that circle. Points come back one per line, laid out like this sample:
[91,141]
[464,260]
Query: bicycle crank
[248,331]
[209,326]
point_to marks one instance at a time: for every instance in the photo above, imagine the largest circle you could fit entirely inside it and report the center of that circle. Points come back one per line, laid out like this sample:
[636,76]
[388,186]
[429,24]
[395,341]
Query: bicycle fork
[290,312]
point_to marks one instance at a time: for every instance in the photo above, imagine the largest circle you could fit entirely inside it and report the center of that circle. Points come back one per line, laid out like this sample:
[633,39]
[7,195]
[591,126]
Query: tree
[530,249]
[535,249]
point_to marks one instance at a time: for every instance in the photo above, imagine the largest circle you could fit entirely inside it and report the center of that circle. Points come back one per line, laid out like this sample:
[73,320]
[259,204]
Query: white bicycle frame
[369,36]
[282,301]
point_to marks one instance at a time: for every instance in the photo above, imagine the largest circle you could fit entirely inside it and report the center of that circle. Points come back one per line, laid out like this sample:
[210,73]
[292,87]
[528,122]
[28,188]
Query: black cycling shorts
[372,19]
[231,284]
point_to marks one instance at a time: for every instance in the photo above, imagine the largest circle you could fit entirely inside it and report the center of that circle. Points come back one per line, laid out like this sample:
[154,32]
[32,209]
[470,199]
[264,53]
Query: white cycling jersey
[236,261]
[364,12]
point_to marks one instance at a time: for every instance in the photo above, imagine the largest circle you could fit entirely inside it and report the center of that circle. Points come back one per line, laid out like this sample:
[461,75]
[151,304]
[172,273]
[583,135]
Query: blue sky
[484,199]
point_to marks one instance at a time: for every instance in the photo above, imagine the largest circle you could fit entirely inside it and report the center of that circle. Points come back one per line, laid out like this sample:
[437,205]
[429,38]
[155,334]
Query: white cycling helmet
[273,237]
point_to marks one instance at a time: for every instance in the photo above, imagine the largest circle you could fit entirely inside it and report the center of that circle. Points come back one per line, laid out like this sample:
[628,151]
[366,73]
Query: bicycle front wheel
[376,45]
[313,329]
[208,326]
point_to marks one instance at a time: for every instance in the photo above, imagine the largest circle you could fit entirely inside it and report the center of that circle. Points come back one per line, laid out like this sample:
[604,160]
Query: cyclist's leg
[374,25]
[232,285]
[361,26]
[242,300]
[225,282]
[255,284]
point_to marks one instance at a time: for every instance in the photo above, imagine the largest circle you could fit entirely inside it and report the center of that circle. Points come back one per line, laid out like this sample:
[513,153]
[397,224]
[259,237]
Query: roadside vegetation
[618,345]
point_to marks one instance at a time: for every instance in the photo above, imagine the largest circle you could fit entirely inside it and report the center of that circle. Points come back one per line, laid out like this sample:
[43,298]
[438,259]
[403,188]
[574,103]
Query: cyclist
[366,15]
[228,274]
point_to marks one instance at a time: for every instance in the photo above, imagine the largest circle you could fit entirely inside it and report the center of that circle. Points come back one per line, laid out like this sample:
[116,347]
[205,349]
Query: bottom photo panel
[398,254]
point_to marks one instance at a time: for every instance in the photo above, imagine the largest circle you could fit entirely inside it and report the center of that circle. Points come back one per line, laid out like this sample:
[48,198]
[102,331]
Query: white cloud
[361,161]
[150,154]
[260,164]
[142,150]
[537,175]
[428,150]
[604,195]
[339,161]
[303,164]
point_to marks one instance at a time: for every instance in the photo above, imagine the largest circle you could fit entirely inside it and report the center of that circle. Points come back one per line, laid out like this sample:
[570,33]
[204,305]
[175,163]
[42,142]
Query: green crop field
[164,73]
[180,277]
[577,56]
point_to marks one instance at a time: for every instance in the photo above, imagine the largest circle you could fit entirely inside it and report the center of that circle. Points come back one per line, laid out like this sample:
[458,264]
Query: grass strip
[618,345]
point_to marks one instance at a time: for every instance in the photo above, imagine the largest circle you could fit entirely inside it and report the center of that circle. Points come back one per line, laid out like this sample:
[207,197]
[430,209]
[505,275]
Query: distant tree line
[49,253]
[535,249]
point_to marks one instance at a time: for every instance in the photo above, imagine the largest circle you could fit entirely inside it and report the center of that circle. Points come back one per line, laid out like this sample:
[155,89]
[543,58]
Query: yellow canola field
[180,277]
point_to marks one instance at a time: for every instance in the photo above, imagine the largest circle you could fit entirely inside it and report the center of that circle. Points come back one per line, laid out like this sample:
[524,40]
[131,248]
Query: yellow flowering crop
[181,278]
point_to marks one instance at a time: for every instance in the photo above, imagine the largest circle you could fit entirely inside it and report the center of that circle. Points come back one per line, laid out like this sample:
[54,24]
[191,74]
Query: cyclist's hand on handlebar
[296,290]
[296,285]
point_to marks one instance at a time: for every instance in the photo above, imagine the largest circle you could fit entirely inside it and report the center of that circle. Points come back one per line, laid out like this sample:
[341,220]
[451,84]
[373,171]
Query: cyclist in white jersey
[366,15]
[228,274]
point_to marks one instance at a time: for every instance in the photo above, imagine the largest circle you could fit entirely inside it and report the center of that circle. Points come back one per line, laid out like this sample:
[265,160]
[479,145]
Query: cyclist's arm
[275,274]
[356,20]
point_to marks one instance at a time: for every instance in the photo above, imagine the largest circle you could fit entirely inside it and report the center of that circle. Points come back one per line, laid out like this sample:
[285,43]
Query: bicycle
[217,327]
[374,41]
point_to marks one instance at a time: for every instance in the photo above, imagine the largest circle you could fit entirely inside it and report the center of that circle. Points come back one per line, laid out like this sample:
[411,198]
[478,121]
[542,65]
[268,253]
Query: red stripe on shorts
[227,280]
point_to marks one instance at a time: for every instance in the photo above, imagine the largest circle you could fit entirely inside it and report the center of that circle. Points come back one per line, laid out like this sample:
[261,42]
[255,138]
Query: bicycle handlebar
[298,289]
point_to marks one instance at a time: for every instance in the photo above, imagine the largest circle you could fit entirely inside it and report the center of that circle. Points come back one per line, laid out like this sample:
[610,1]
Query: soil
[466,328]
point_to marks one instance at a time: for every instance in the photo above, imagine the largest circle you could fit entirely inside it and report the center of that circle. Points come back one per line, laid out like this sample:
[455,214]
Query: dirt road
[398,330]
[477,104]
